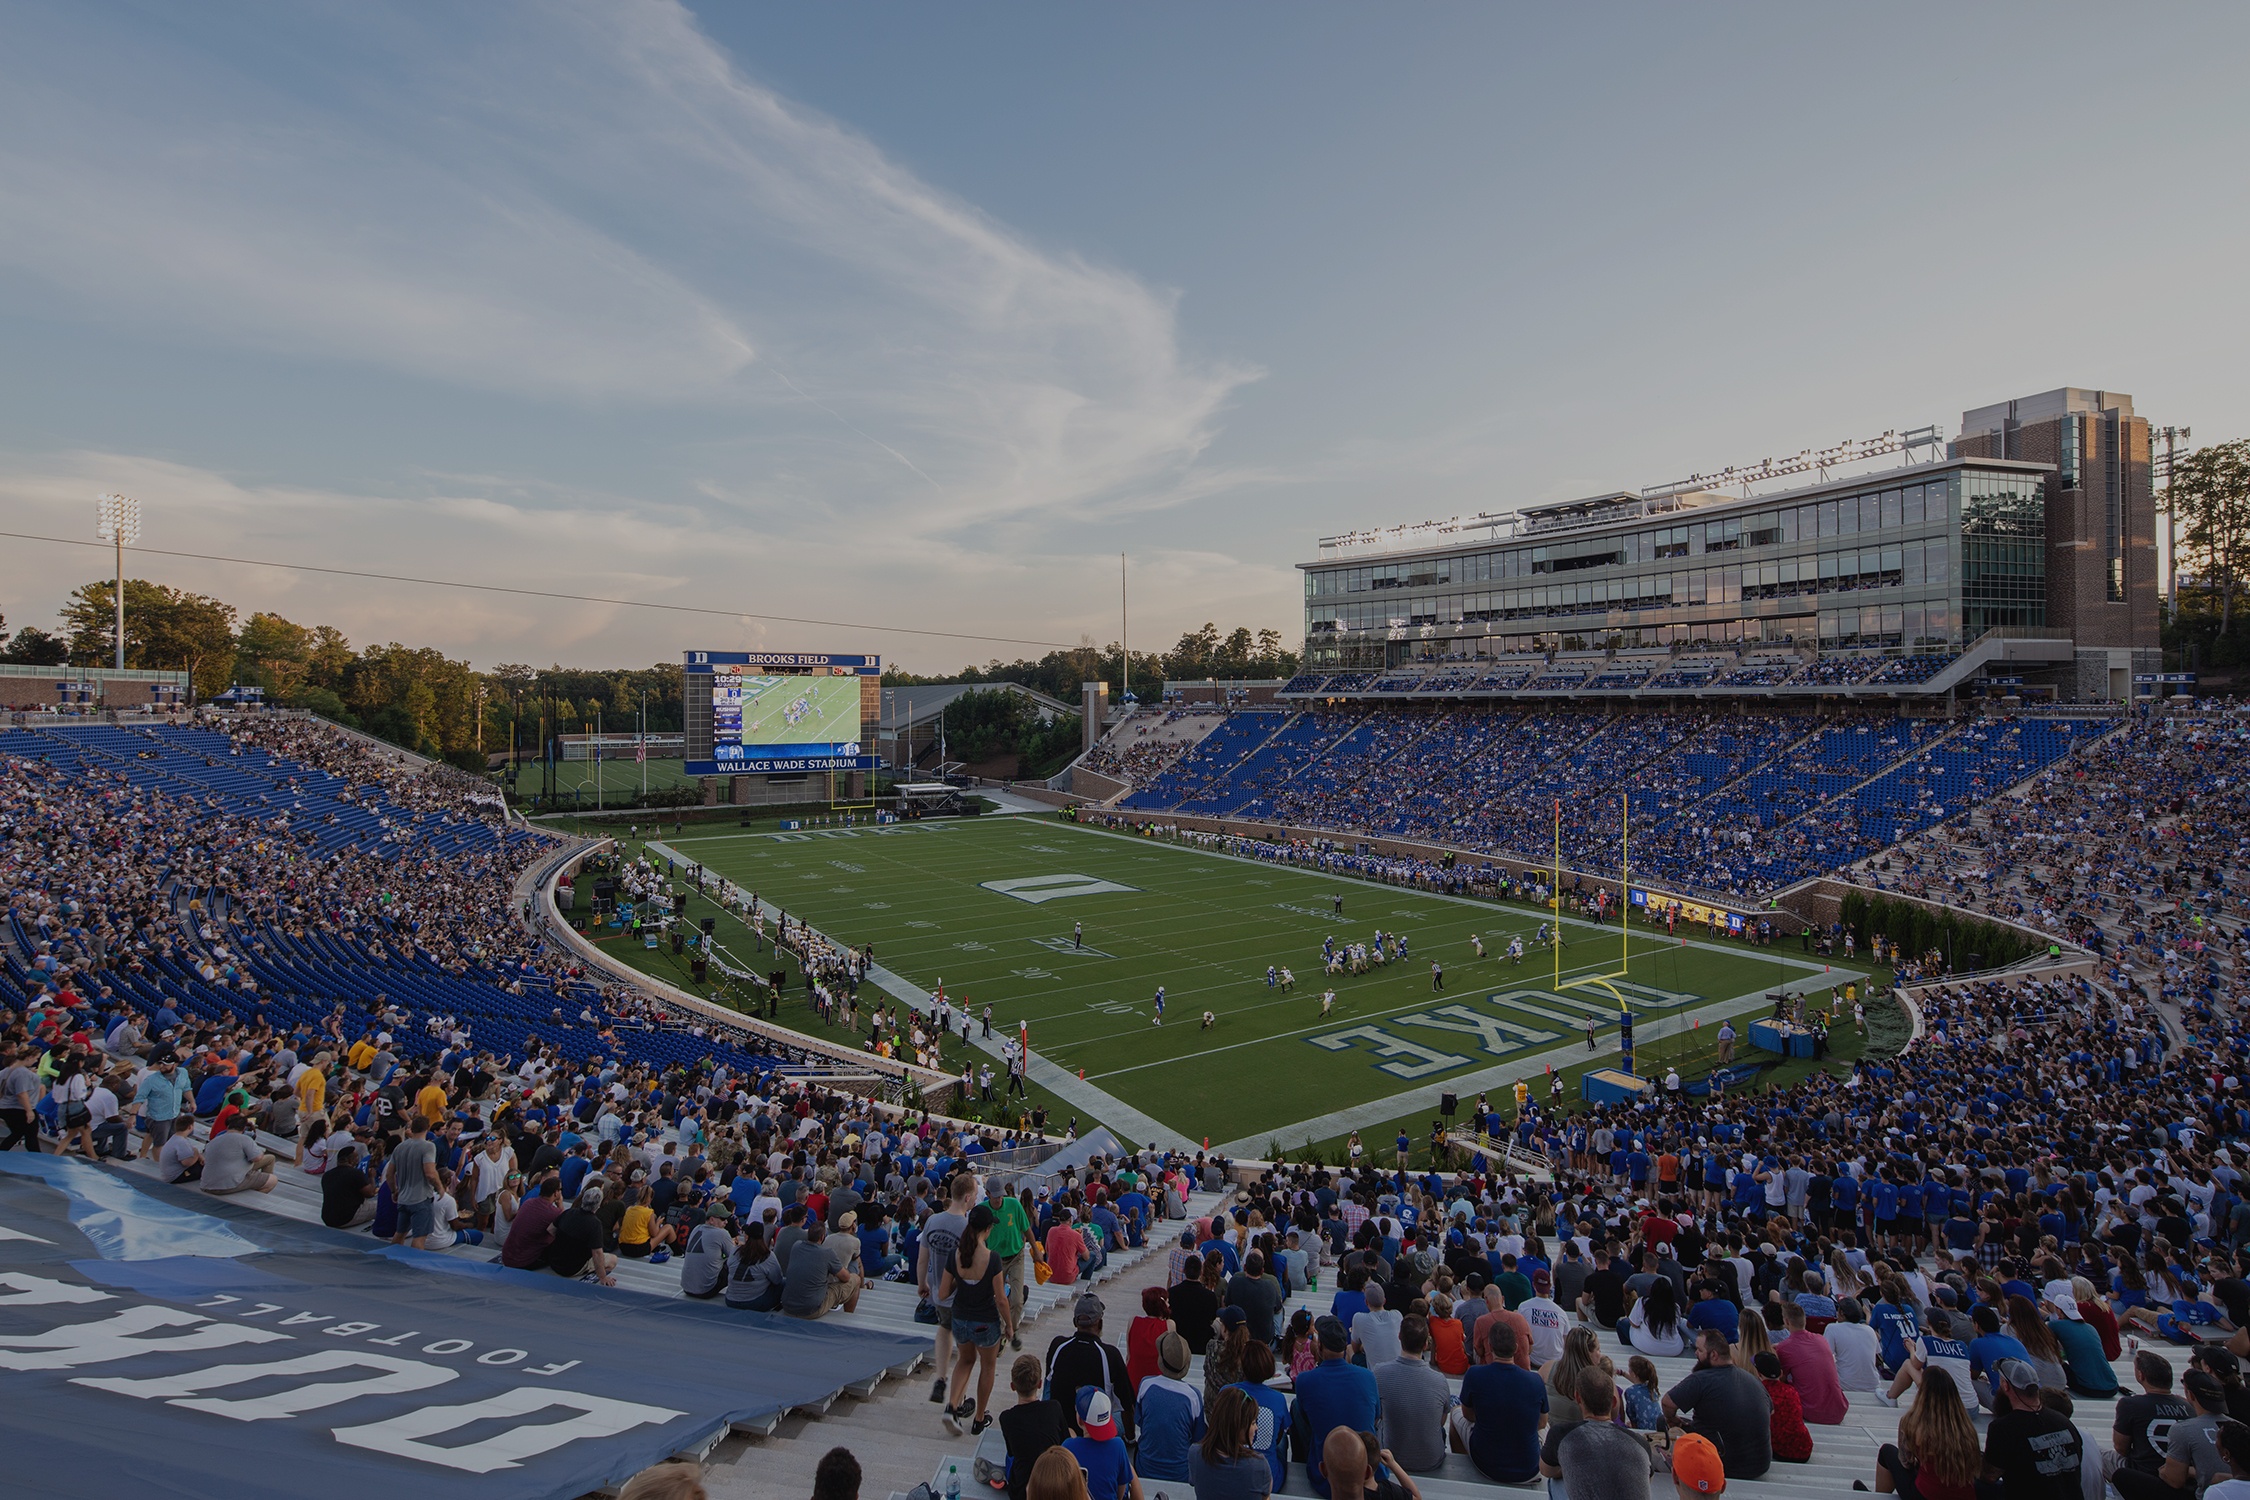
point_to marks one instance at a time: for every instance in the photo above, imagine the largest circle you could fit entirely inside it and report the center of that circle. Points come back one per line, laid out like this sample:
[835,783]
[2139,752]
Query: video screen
[755,717]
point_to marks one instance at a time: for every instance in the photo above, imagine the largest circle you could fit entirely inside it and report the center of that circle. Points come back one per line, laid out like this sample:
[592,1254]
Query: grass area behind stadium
[987,907]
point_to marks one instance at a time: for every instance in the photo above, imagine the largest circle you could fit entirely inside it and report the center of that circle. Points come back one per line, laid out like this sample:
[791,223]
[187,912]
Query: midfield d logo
[1041,888]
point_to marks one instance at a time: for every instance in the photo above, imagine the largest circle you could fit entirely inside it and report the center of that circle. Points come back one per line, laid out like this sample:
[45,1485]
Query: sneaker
[658,1258]
[937,1390]
[952,1421]
[1016,1343]
[976,1428]
[1885,1398]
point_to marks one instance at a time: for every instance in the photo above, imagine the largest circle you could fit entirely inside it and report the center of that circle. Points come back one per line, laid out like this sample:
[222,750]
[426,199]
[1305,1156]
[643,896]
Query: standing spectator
[413,1179]
[1503,1408]
[939,1237]
[982,1317]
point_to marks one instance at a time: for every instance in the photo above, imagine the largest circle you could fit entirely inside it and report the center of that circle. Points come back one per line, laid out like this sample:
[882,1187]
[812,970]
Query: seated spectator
[1729,1404]
[1855,1346]
[1937,1456]
[1032,1425]
[533,1232]
[1503,1409]
[1791,1442]
[235,1163]
[347,1194]
[1334,1393]
[1171,1414]
[1375,1331]
[1100,1451]
[704,1256]
[1593,1455]
[1358,1471]
[1226,1465]
[676,1480]
[817,1282]
[1413,1400]
[575,1250]
[1811,1365]
[2037,1452]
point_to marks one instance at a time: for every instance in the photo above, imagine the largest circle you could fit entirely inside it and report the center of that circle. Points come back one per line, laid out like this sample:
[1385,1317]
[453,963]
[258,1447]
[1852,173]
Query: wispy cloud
[589,202]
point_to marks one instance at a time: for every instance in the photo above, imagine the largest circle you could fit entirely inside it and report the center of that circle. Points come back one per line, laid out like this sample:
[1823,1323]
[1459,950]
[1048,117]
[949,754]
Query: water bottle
[952,1482]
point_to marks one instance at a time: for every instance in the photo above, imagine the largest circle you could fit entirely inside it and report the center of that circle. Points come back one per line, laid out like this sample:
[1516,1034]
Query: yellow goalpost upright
[1605,982]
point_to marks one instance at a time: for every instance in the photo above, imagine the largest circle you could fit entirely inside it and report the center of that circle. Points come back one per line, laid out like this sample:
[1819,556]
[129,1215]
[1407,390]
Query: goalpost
[1606,983]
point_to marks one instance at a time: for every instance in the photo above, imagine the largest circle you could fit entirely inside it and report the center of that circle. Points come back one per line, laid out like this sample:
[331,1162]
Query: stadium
[954,753]
[1725,917]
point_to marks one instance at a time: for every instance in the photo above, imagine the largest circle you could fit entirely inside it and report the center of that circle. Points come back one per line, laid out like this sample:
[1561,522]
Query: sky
[915,318]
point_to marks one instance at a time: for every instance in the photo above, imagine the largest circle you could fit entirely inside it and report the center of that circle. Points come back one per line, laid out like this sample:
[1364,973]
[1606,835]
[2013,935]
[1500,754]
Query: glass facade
[1924,559]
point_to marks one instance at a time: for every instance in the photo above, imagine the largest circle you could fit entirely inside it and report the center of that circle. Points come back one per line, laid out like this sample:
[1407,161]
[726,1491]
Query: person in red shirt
[1811,1365]
[1792,1443]
[2095,1310]
[1658,1230]
[1066,1250]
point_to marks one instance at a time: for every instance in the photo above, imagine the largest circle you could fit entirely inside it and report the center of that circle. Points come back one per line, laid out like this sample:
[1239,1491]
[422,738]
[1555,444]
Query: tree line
[1199,654]
[419,697]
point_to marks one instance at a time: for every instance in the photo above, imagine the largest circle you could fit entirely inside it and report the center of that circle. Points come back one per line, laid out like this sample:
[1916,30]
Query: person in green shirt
[1011,1233]
[2083,1360]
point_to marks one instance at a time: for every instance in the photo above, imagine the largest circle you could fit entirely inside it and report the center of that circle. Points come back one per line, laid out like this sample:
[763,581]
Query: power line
[497,588]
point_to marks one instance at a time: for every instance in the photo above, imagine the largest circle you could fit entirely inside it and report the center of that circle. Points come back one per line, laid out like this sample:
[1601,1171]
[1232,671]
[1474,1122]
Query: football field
[991,908]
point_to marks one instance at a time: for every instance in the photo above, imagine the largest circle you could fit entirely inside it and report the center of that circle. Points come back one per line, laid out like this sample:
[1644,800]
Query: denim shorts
[417,1219]
[977,1333]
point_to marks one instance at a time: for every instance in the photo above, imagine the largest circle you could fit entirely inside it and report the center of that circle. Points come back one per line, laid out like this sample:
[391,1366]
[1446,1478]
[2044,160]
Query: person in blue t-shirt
[1333,1393]
[1895,1322]
[1099,1450]
[1713,1310]
[1269,1437]
[1504,1406]
[1987,1349]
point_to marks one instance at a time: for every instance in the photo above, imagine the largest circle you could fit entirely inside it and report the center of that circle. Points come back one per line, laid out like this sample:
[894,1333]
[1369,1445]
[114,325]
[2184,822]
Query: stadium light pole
[2173,437]
[117,520]
[1124,633]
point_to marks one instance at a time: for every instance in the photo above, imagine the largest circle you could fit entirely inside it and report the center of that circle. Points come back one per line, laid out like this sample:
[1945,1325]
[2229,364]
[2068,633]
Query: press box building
[2027,550]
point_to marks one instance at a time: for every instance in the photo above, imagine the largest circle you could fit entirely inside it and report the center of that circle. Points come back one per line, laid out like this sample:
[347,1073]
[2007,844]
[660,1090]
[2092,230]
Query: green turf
[1206,927]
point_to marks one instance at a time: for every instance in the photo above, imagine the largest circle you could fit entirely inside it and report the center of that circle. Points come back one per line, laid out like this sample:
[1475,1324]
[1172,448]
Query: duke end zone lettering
[287,1360]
